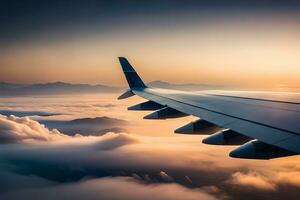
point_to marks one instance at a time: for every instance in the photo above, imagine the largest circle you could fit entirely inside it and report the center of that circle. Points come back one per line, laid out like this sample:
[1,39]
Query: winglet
[133,79]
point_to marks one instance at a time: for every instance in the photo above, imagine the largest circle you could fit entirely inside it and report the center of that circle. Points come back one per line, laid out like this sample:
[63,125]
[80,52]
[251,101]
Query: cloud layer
[95,166]
[116,188]
[36,162]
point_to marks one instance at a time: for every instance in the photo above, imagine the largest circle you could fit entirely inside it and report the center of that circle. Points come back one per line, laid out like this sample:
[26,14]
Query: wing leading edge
[266,129]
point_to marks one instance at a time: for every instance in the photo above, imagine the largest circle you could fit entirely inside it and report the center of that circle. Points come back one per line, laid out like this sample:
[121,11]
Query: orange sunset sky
[255,48]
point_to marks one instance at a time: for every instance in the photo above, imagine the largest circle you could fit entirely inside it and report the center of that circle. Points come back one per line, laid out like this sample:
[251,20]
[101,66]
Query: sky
[234,43]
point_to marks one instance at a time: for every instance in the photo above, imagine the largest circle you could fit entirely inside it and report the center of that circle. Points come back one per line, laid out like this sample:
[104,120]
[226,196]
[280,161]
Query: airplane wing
[265,128]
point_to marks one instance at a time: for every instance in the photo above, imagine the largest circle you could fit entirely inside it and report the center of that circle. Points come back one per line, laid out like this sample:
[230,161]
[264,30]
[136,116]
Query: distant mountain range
[56,88]
[60,88]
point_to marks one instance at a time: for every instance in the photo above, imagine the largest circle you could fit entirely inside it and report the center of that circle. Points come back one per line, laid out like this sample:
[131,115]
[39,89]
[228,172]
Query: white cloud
[23,129]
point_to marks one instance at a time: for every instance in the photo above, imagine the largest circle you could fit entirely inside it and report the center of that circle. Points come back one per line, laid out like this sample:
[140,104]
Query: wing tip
[122,58]
[126,66]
